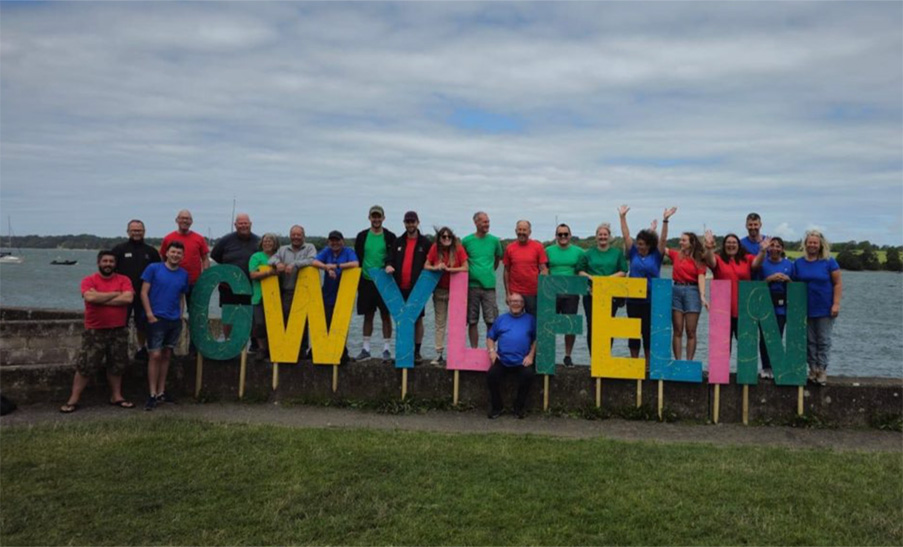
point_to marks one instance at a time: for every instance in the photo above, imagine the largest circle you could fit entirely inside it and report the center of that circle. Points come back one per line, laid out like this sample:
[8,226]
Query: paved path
[476,422]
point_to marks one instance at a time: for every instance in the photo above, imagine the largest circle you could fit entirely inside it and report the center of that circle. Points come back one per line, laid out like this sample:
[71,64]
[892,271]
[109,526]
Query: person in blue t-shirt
[754,240]
[645,261]
[777,271]
[332,260]
[511,342]
[163,297]
[823,290]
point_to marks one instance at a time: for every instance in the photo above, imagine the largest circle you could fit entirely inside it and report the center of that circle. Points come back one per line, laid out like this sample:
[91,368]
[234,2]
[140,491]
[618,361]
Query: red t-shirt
[102,316]
[685,269]
[408,263]
[523,263]
[195,248]
[735,273]
[432,258]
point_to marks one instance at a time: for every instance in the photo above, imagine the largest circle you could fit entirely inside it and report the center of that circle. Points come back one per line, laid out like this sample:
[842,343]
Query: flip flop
[69,409]
[123,404]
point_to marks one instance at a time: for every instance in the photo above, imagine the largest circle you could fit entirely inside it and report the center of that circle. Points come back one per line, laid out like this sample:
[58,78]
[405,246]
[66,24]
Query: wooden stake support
[799,401]
[661,398]
[198,375]
[545,393]
[455,390]
[335,378]
[746,405]
[598,392]
[717,410]
[275,376]
[404,383]
[242,373]
[639,393]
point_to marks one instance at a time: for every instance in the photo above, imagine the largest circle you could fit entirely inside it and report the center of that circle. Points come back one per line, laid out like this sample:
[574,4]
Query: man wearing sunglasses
[563,258]
[407,262]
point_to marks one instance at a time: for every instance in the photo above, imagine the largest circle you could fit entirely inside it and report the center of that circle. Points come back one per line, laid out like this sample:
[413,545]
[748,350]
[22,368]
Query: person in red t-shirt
[107,296]
[733,263]
[406,263]
[688,292]
[525,260]
[446,255]
[197,253]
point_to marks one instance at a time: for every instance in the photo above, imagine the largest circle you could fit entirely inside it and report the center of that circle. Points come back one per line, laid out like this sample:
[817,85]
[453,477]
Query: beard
[105,271]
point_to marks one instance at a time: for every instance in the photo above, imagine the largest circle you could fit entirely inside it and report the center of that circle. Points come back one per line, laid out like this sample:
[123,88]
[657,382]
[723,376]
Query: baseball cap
[411,216]
[377,209]
[335,234]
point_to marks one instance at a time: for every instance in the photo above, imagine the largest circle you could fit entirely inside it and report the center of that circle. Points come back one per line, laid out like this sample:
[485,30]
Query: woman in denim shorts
[688,296]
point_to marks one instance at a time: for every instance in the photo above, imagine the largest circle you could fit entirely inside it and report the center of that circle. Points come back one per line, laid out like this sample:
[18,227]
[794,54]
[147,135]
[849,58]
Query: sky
[310,112]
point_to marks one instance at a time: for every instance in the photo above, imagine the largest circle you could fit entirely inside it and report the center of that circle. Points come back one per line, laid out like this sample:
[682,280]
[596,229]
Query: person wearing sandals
[446,255]
[688,296]
[777,271]
[645,262]
[105,340]
[824,289]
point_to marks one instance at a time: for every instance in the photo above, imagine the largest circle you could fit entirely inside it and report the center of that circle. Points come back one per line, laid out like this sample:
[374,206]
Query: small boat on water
[7,257]
[61,262]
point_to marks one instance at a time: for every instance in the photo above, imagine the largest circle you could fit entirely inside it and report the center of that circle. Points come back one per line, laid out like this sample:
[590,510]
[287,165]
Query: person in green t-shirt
[601,260]
[374,247]
[484,251]
[268,246]
[563,259]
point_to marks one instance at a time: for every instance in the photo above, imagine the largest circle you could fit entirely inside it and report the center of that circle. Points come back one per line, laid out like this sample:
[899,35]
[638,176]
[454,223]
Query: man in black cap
[374,247]
[409,258]
[332,260]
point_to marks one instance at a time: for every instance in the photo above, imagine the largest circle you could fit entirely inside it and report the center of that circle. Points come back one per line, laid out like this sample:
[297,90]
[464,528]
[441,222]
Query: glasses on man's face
[563,234]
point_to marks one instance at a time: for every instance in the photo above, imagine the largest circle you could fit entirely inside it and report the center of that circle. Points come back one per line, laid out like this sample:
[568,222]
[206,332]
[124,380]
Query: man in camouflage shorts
[105,340]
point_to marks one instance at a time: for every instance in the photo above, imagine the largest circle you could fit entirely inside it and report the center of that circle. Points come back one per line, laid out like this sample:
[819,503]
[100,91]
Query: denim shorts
[163,334]
[685,298]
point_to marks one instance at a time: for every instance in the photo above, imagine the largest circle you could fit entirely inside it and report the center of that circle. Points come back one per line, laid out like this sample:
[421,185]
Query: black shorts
[368,298]
[226,296]
[136,311]
[567,304]
[259,327]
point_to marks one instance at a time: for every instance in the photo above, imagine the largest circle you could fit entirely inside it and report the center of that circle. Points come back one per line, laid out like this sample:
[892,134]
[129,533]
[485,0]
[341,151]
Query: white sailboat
[7,257]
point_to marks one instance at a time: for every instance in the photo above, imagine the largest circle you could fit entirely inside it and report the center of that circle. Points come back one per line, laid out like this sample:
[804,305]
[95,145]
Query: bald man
[236,249]
[197,254]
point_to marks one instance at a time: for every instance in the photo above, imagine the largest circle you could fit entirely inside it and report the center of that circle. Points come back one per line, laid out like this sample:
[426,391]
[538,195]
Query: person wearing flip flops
[105,341]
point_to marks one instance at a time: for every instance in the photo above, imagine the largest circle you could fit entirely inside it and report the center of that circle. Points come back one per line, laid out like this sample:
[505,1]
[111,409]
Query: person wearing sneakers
[105,340]
[447,255]
[512,347]
[374,247]
[563,259]
[163,297]
[408,258]
[484,252]
[131,258]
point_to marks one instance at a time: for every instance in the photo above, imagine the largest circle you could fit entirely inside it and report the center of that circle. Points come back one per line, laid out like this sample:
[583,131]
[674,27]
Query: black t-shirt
[132,258]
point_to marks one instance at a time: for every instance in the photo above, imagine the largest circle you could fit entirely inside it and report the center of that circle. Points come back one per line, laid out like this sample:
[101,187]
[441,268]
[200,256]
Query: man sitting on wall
[512,346]
[105,341]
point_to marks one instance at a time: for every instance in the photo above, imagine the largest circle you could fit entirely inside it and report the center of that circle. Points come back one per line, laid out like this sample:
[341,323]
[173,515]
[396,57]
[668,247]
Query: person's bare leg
[368,323]
[153,370]
[692,320]
[227,331]
[165,355]
[569,340]
[79,383]
[115,383]
[387,325]
[418,331]
[677,325]
[473,331]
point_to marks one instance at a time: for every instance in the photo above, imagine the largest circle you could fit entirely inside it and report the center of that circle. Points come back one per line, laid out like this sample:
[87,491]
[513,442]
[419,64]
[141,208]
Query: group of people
[164,280]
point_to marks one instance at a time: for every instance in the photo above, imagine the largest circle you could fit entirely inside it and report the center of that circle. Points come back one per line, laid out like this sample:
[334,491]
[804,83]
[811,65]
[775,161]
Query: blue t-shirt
[819,289]
[514,337]
[649,267]
[330,285]
[753,248]
[167,288]
[785,267]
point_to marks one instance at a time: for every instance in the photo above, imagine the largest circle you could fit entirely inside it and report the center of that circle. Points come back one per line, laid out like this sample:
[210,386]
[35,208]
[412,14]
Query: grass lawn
[882,255]
[177,481]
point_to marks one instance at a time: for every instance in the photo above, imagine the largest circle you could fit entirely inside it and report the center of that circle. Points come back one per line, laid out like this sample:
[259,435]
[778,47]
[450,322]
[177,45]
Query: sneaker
[387,356]
[165,397]
[141,354]
[493,414]
[821,377]
[151,403]
[568,362]
[363,355]
[520,414]
[438,361]
[766,374]
[812,375]
[418,358]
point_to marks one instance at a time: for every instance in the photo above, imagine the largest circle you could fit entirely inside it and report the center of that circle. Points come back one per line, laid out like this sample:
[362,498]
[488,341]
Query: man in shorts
[374,247]
[163,297]
[132,257]
[105,340]
[484,252]
[408,260]
[196,257]
[563,259]
[236,249]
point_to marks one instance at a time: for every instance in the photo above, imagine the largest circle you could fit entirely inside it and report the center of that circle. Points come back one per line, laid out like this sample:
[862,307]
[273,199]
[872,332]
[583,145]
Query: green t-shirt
[563,261]
[258,259]
[374,253]
[596,262]
[481,255]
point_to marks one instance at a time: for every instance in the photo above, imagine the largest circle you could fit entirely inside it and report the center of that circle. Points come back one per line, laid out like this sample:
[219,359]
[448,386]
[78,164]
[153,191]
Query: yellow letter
[606,327]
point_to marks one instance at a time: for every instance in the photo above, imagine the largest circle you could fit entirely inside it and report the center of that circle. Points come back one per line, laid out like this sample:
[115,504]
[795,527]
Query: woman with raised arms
[688,275]
[446,255]
[645,261]
[824,288]
[776,270]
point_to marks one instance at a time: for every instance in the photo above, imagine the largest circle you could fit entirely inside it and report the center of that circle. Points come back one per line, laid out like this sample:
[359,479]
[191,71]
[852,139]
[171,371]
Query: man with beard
[374,247]
[409,257]
[132,257]
[105,341]
[236,249]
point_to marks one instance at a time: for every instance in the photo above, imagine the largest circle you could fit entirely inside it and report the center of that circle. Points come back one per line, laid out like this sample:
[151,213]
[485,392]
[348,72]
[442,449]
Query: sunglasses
[563,234]
[445,236]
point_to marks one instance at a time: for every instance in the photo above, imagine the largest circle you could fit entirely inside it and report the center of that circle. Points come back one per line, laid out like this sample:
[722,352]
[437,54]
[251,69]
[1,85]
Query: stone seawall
[38,349]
